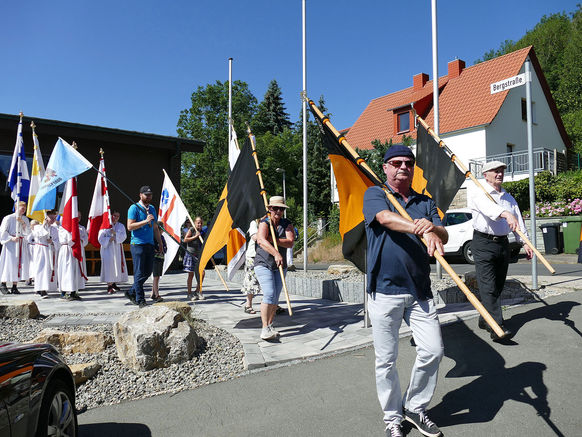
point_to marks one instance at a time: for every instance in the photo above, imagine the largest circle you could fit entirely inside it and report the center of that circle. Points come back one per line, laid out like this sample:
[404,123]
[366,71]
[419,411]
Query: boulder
[341,269]
[181,307]
[471,280]
[19,309]
[154,337]
[80,342]
[84,371]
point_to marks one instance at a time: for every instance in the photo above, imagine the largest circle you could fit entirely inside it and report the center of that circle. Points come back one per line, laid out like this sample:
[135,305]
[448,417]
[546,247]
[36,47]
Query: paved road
[531,387]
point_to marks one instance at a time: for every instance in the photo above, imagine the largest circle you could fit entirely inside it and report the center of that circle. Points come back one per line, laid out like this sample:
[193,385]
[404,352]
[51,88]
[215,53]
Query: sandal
[249,310]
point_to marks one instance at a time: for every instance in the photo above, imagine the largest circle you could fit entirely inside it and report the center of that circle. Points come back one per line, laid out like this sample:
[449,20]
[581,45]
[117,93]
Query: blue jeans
[271,284]
[143,264]
[386,314]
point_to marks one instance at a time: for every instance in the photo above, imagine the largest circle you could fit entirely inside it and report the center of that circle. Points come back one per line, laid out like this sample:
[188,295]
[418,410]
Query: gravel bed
[219,358]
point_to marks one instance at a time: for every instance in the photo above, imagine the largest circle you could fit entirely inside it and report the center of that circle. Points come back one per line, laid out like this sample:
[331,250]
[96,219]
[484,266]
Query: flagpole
[273,236]
[229,101]
[467,172]
[470,296]
[435,87]
[304,94]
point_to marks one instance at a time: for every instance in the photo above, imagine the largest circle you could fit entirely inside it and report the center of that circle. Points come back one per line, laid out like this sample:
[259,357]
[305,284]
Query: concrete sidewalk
[318,326]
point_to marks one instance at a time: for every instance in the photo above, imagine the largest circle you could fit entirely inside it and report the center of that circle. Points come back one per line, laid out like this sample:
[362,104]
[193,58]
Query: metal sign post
[504,85]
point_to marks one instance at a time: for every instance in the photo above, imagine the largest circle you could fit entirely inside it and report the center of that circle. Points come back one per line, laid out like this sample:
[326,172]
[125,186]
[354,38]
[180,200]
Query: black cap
[398,150]
[145,190]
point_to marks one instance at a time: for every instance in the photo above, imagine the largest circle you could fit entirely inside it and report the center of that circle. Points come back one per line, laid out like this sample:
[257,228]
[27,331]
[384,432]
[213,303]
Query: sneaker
[422,423]
[201,296]
[74,296]
[115,287]
[14,290]
[63,296]
[130,297]
[3,288]
[277,333]
[143,304]
[268,334]
[193,296]
[394,430]
[44,294]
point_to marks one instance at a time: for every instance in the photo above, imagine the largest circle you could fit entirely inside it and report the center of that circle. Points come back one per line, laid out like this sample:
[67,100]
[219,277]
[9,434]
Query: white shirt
[486,214]
[251,244]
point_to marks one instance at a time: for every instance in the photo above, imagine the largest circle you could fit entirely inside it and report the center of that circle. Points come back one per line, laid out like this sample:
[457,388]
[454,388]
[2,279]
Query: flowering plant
[557,208]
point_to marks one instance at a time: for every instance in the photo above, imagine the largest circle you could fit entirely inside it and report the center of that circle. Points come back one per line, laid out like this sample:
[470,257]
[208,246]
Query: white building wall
[508,126]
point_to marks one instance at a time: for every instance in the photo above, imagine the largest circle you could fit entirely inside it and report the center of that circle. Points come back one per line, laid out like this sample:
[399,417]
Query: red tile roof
[465,101]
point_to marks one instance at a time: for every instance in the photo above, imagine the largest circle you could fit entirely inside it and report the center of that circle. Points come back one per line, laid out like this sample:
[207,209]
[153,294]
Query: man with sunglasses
[490,246]
[398,269]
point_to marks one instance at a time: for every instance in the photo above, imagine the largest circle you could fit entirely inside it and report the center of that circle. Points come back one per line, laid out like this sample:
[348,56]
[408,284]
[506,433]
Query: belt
[497,238]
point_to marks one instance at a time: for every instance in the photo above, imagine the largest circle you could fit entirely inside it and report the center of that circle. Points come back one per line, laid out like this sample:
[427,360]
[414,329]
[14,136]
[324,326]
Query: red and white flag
[172,213]
[100,212]
[70,219]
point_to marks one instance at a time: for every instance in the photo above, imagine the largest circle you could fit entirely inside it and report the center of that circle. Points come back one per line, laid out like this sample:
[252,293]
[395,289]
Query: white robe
[31,250]
[14,260]
[113,266]
[45,257]
[68,268]
[84,242]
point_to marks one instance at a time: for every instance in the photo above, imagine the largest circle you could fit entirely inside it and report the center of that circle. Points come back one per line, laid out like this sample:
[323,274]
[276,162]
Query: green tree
[271,115]
[205,174]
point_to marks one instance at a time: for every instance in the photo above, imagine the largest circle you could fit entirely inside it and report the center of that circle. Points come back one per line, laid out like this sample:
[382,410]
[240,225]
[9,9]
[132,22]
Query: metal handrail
[517,163]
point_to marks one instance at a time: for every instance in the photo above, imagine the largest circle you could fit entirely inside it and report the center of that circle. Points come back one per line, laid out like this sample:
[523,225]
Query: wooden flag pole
[470,296]
[273,236]
[211,259]
[474,179]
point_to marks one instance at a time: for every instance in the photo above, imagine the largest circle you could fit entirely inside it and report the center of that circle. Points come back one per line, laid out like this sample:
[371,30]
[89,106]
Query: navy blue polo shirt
[397,262]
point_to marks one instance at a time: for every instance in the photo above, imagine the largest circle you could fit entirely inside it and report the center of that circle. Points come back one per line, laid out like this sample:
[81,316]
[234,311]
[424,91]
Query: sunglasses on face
[398,163]
[276,208]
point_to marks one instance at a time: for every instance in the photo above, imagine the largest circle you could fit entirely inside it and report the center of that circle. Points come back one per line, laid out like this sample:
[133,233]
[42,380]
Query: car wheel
[57,414]
[467,253]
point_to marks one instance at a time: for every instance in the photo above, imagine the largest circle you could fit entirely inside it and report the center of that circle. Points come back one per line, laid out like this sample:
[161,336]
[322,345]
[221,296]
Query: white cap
[492,165]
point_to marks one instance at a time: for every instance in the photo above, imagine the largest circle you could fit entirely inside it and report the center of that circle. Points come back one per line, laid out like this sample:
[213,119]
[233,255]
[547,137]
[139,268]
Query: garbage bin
[571,227]
[553,242]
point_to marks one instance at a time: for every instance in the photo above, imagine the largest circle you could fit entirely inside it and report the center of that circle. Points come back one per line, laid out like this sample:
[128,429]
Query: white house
[474,123]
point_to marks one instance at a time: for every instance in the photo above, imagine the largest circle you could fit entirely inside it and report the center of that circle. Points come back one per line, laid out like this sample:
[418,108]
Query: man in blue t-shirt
[142,222]
[399,286]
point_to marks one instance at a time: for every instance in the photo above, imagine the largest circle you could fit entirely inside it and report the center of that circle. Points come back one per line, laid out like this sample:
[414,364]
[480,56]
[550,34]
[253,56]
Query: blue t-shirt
[397,262]
[145,234]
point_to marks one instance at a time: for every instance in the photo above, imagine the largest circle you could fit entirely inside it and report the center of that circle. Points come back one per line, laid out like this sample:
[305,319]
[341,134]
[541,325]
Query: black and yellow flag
[239,204]
[435,174]
[352,182]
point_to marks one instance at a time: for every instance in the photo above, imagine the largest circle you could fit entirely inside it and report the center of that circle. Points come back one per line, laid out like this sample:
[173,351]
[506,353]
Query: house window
[510,148]
[524,111]
[403,122]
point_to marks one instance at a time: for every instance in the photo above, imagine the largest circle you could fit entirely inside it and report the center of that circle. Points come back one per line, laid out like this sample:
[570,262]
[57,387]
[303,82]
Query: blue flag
[18,178]
[65,163]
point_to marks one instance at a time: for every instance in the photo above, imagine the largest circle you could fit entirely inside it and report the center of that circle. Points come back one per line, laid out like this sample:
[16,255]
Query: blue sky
[134,64]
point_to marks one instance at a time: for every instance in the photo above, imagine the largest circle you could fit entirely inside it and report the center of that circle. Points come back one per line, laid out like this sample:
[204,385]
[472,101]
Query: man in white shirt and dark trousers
[490,246]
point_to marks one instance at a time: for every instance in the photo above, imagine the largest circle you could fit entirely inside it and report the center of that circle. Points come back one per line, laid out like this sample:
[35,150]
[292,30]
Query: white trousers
[386,314]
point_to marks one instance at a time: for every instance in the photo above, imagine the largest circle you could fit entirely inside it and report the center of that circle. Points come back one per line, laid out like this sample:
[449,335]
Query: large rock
[154,337]
[19,309]
[80,342]
[84,371]
[341,269]
[176,305]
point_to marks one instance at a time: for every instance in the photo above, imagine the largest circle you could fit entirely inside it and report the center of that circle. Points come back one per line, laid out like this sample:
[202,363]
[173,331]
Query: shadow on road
[480,400]
[111,429]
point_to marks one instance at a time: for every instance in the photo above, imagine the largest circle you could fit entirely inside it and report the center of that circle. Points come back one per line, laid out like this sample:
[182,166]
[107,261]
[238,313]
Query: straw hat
[277,201]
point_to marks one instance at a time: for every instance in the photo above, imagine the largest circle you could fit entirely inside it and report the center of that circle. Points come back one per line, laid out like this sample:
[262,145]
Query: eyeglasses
[398,163]
[276,208]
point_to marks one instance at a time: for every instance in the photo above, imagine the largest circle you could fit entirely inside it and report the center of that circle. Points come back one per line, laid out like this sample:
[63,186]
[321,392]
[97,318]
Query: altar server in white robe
[14,259]
[113,266]
[84,241]
[68,267]
[46,248]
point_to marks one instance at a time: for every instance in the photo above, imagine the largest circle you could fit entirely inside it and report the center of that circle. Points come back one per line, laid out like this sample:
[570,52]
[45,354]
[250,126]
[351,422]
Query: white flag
[233,149]
[99,212]
[172,213]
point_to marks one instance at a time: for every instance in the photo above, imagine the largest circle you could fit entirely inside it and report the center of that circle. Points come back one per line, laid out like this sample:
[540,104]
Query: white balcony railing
[517,163]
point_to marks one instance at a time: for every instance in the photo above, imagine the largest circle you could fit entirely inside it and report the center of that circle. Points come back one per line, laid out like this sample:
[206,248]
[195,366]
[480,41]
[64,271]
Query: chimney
[419,80]
[455,68]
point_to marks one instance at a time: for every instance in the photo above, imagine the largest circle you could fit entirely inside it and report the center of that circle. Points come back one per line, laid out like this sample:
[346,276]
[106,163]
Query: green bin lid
[574,218]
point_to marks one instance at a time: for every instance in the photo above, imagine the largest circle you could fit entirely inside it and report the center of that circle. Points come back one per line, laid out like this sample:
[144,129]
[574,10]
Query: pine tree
[271,116]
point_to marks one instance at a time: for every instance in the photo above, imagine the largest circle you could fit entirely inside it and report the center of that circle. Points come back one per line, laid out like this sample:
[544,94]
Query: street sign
[510,82]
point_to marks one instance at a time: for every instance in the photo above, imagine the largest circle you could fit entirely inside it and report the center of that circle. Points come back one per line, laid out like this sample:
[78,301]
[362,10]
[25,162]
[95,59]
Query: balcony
[517,163]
